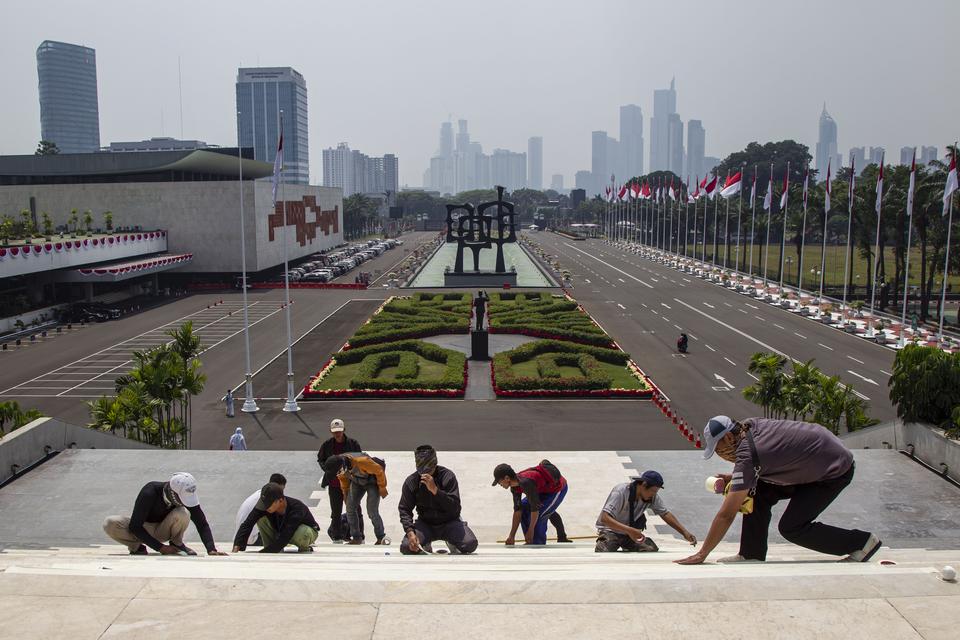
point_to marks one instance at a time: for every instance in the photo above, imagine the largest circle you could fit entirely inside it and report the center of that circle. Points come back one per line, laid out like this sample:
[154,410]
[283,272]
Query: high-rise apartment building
[631,141]
[262,93]
[857,157]
[906,155]
[391,173]
[696,148]
[664,105]
[584,180]
[826,142]
[508,169]
[355,172]
[69,111]
[556,182]
[876,155]
[927,154]
[535,163]
[675,152]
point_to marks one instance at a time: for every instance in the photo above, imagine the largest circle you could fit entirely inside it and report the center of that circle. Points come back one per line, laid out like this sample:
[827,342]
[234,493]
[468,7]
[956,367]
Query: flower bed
[542,315]
[567,369]
[414,376]
[417,317]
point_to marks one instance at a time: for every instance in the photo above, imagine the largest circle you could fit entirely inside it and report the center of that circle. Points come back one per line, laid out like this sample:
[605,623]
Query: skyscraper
[876,155]
[675,152]
[664,105]
[631,140]
[583,179]
[696,143]
[906,155]
[356,172]
[508,169]
[599,166]
[556,182]
[857,157]
[928,154]
[535,163]
[69,112]
[391,173]
[262,93]
[826,143]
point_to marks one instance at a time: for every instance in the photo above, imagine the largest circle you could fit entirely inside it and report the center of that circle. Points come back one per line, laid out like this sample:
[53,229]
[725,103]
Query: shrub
[417,317]
[550,355]
[403,355]
[925,385]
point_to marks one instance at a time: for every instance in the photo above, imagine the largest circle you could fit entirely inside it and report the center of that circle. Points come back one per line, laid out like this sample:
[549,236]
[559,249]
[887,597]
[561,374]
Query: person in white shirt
[237,441]
[247,507]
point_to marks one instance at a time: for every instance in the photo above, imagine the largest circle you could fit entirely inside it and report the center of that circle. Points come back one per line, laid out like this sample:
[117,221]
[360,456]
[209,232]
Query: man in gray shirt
[623,518]
[777,460]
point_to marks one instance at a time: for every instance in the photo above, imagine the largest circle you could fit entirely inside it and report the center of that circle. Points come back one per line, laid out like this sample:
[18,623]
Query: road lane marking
[709,347]
[694,337]
[728,304]
[586,280]
[743,311]
[646,284]
[760,319]
[729,360]
[723,380]
[855,360]
[799,335]
[644,305]
[621,306]
[825,346]
[664,304]
[706,304]
[753,376]
[687,280]
[752,306]
[886,373]
[864,378]
[621,279]
[679,328]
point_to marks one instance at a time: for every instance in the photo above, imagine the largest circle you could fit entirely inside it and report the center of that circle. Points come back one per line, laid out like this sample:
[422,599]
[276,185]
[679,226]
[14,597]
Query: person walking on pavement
[434,492]
[338,443]
[237,441]
[281,521]
[361,474]
[228,401]
[537,493]
[776,460]
[160,517]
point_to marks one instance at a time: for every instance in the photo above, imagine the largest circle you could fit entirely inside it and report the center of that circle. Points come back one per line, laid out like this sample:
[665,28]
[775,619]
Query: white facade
[203,218]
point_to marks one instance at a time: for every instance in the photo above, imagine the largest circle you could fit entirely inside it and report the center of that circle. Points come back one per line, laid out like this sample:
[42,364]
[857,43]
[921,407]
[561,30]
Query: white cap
[336,425]
[184,485]
[717,427]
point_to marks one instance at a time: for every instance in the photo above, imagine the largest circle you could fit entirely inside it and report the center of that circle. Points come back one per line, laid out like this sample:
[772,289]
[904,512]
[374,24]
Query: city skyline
[136,105]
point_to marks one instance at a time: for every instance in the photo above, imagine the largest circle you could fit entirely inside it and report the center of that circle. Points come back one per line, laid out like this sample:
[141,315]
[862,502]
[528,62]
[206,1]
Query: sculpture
[480,305]
[472,228]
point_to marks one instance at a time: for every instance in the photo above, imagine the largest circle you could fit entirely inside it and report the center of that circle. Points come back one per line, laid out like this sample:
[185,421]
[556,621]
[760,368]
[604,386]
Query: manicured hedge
[583,357]
[544,316]
[399,354]
[417,317]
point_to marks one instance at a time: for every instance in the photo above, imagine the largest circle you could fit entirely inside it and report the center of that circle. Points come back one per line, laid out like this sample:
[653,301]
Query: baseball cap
[336,425]
[717,427]
[502,470]
[651,478]
[425,458]
[185,486]
[270,493]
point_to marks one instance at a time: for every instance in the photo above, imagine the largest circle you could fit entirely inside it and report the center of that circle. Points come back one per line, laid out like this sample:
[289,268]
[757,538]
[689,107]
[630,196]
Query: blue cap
[651,478]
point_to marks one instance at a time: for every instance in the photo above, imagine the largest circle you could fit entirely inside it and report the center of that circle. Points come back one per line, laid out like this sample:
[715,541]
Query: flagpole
[783,236]
[823,247]
[876,253]
[753,217]
[716,225]
[766,253]
[249,403]
[686,223]
[726,237]
[703,252]
[803,233]
[291,404]
[906,269]
[946,268]
[846,257]
[743,172]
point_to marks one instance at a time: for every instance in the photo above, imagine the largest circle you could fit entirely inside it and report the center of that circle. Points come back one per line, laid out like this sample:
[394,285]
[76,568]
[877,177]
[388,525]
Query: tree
[47,224]
[108,220]
[6,230]
[87,220]
[359,212]
[46,148]
[11,414]
[74,220]
[767,391]
[26,224]
[925,385]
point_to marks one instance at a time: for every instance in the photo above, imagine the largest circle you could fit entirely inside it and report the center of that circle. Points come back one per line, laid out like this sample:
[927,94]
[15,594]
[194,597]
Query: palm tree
[768,390]
[87,220]
[74,221]
[800,389]
[47,224]
[108,220]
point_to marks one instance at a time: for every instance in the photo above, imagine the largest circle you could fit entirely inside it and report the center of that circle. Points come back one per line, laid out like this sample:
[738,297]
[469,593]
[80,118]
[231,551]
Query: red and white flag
[670,192]
[786,189]
[829,188]
[645,192]
[606,194]
[278,162]
[880,186]
[951,185]
[622,193]
[710,187]
[768,199]
[913,175]
[696,188]
[635,189]
[732,186]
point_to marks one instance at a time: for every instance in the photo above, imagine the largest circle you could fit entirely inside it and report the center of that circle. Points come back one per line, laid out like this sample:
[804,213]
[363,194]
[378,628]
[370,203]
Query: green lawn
[340,376]
[622,377]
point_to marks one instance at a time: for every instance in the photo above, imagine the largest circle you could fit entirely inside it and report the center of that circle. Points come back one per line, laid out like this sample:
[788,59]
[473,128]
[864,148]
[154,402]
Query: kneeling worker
[434,492]
[160,518]
[623,518]
[543,489]
[281,521]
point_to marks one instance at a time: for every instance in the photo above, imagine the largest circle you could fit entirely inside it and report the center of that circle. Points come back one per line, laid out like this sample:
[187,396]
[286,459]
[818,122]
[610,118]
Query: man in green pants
[281,520]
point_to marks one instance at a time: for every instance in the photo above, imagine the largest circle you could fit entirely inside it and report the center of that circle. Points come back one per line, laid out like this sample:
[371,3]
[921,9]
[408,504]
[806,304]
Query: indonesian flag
[622,193]
[732,186]
[606,194]
[951,185]
[636,190]
[690,197]
[646,192]
[753,189]
[826,196]
[670,192]
[913,173]
[880,186]
[703,185]
[786,189]
[696,188]
[278,162]
[768,199]
[710,187]
[806,183]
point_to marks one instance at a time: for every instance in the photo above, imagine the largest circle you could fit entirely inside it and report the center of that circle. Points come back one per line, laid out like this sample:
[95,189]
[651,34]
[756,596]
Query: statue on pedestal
[480,305]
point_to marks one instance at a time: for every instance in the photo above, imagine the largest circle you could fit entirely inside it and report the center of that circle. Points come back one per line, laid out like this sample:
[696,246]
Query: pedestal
[479,345]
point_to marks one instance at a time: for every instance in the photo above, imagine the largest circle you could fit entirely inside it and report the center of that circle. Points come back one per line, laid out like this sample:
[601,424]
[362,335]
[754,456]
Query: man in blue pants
[537,493]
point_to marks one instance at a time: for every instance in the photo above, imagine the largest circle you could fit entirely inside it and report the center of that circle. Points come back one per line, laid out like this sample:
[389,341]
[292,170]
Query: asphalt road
[646,305]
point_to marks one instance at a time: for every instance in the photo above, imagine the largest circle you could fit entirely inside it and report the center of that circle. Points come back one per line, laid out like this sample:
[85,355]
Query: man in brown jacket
[361,474]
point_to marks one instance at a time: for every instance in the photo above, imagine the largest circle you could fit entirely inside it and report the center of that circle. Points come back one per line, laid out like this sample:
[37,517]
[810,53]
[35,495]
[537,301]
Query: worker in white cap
[338,443]
[160,517]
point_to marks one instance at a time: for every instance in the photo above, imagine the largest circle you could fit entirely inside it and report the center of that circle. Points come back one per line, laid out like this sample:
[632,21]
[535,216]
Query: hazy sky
[382,75]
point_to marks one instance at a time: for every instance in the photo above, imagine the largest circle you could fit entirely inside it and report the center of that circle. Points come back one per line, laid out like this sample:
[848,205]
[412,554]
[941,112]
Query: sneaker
[337,541]
[737,558]
[140,551]
[355,541]
[863,555]
[564,539]
[382,541]
[307,550]
[185,549]
[428,548]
